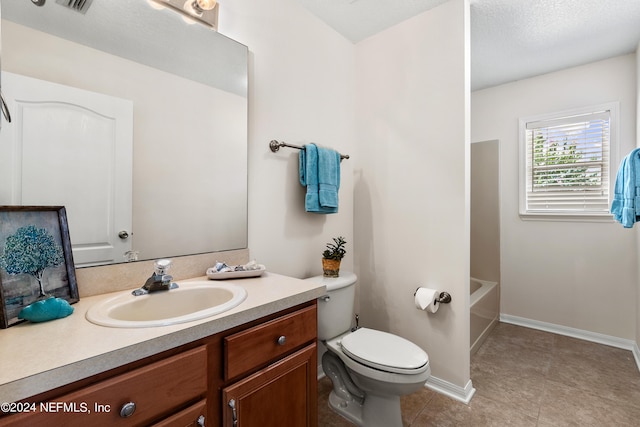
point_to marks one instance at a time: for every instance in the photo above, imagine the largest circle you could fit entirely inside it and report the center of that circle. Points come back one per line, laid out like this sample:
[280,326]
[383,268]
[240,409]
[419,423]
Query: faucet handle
[161,266]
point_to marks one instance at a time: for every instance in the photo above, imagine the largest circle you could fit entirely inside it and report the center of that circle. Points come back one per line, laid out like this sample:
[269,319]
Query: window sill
[569,217]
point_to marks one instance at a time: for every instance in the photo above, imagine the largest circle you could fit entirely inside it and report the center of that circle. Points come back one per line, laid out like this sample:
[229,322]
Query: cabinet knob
[127,409]
[282,340]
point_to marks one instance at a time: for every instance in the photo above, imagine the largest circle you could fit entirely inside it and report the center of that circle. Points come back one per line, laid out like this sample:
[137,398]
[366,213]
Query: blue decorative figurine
[45,310]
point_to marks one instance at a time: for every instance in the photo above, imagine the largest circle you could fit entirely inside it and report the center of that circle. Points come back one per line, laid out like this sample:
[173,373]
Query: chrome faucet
[159,280]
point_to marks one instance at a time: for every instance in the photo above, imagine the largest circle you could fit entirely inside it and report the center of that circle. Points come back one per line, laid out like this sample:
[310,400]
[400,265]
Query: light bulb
[203,5]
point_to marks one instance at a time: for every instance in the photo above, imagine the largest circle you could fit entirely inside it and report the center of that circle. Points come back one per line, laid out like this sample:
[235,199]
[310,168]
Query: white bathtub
[485,310]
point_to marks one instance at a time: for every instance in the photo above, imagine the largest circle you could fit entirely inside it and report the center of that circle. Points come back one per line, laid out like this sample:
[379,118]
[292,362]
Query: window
[565,164]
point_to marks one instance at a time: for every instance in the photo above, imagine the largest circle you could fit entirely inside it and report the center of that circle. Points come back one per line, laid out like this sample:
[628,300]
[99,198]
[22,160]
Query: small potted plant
[332,256]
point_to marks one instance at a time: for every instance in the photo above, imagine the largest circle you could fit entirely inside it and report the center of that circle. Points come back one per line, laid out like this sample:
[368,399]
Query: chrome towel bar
[275,146]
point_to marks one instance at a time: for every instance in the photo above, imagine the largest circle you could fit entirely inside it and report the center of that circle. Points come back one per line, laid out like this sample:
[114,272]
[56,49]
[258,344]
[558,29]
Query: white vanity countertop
[36,357]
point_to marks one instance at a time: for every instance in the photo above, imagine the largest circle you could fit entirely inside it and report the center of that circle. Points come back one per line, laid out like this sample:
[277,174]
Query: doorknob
[124,234]
[5,109]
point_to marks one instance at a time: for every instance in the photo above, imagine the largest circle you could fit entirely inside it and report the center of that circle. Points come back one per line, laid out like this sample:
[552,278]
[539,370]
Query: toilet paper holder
[444,298]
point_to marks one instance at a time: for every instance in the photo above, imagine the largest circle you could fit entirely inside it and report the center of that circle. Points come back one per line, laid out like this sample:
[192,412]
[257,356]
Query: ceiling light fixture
[203,11]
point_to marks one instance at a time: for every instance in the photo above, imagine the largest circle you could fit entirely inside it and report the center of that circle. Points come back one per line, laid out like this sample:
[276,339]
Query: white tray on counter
[214,275]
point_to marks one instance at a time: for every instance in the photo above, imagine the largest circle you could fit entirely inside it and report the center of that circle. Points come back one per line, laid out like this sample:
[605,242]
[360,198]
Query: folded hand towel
[320,173]
[626,198]
[328,177]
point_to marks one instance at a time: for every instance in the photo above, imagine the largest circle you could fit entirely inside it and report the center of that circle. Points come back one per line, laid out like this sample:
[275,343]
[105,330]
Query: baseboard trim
[575,333]
[461,394]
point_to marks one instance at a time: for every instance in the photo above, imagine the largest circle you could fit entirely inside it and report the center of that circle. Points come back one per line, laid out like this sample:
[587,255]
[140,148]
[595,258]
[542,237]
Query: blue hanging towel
[626,196]
[320,173]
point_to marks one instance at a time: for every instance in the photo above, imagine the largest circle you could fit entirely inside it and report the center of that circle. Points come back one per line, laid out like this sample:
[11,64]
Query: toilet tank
[335,313]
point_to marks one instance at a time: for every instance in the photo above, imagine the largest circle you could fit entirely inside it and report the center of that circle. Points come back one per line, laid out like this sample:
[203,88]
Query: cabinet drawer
[257,346]
[157,390]
[194,416]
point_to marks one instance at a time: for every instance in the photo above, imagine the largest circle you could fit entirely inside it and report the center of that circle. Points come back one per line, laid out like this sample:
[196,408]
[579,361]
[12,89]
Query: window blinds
[567,164]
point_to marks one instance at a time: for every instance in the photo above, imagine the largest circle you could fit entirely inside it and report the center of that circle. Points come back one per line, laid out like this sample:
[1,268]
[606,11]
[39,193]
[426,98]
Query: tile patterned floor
[525,377]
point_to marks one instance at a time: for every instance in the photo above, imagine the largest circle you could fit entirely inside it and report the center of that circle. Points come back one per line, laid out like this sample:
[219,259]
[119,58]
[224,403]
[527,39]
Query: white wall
[301,80]
[574,274]
[411,182]
[637,350]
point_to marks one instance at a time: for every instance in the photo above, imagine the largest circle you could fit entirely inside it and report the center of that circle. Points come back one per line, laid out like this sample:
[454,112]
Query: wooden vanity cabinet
[267,366]
[284,391]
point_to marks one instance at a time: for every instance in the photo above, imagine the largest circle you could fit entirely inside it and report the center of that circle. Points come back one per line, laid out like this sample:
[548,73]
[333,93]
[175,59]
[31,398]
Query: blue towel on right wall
[320,173]
[626,196]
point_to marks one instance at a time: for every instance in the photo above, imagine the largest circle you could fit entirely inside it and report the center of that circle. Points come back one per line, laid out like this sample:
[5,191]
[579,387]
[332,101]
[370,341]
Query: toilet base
[377,411]
[350,410]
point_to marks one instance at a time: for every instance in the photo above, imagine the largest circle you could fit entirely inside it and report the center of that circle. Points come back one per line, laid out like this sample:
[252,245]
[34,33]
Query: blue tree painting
[31,250]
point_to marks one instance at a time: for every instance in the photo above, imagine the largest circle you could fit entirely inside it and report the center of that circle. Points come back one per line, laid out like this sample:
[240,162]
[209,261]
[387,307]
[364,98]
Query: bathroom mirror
[186,86]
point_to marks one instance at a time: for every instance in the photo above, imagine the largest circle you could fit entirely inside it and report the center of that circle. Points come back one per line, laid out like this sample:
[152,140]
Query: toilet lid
[384,351]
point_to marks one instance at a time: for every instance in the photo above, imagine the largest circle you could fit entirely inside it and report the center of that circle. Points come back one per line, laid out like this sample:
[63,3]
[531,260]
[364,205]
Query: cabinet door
[283,394]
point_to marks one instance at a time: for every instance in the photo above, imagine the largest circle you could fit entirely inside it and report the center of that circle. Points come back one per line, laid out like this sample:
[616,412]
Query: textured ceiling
[510,39]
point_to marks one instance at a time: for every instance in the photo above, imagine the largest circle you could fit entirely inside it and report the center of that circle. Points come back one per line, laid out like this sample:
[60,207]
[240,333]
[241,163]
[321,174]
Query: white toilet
[369,369]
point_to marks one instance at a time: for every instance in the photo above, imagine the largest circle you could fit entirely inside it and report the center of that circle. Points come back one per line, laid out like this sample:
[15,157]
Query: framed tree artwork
[36,261]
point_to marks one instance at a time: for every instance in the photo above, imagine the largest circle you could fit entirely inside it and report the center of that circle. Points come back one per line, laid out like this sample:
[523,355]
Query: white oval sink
[191,301]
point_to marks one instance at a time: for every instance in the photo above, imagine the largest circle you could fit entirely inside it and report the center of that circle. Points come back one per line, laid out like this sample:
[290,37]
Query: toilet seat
[384,351]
